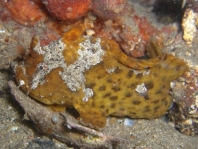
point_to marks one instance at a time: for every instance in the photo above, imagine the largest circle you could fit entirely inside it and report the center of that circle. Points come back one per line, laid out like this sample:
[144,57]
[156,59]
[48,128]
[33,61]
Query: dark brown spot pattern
[146,96]
[156,108]
[149,85]
[93,104]
[121,109]
[116,88]
[136,102]
[99,76]
[117,71]
[112,105]
[102,88]
[102,106]
[130,74]
[107,95]
[164,99]
[139,75]
[133,85]
[113,98]
[166,102]
[155,101]
[160,90]
[107,111]
[91,85]
[109,80]
[147,109]
[133,113]
[128,95]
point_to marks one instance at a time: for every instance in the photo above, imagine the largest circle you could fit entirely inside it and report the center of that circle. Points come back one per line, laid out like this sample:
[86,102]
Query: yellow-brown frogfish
[96,78]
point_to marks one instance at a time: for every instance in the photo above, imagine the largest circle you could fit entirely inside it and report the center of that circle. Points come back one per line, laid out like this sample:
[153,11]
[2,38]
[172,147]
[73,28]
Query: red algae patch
[67,9]
[25,12]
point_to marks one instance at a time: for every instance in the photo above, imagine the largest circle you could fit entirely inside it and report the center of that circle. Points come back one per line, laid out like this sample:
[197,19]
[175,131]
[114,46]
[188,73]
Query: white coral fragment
[88,93]
[189,26]
[141,88]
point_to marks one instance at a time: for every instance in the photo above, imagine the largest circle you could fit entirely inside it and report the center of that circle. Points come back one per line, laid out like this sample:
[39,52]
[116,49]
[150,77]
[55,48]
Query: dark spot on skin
[160,90]
[91,85]
[128,94]
[139,75]
[102,88]
[155,101]
[147,109]
[130,73]
[156,108]
[164,99]
[121,109]
[109,80]
[146,96]
[107,111]
[149,85]
[112,105]
[106,95]
[133,85]
[116,89]
[113,98]
[134,113]
[102,106]
[93,104]
[99,76]
[136,102]
[117,70]
[166,102]
[123,98]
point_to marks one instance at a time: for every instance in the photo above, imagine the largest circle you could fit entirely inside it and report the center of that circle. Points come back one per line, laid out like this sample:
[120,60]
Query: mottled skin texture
[115,93]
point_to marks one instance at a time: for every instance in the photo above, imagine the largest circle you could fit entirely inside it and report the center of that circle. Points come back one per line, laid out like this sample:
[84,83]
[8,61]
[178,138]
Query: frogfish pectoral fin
[139,63]
[92,117]
[131,62]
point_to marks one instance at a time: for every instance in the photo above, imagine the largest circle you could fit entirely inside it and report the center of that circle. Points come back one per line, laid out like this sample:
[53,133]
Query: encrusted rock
[189,26]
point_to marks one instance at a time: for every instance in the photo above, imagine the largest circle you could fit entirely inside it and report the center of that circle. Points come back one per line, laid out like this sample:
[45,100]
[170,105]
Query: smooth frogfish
[93,76]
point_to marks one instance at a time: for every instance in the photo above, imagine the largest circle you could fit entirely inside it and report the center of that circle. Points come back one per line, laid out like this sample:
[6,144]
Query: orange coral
[67,9]
[25,12]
